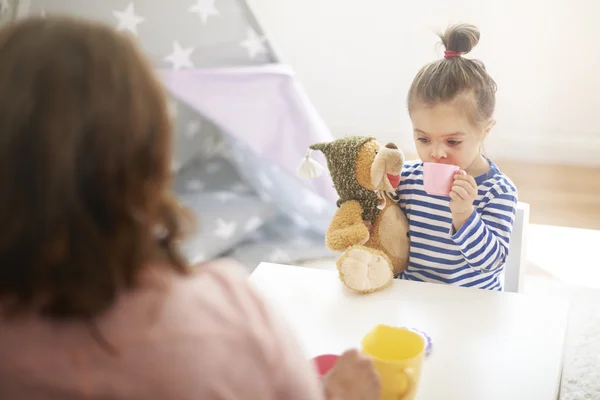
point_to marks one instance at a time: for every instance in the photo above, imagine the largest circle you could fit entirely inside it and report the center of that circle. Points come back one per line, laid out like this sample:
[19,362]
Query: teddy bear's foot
[365,270]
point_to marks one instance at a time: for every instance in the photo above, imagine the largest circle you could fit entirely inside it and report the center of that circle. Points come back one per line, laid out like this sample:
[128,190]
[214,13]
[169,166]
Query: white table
[486,345]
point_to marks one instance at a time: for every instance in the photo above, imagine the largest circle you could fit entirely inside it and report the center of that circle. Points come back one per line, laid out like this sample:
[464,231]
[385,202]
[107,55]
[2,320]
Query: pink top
[207,337]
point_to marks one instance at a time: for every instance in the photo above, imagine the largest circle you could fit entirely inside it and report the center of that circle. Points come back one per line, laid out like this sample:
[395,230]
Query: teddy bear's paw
[364,270]
[341,239]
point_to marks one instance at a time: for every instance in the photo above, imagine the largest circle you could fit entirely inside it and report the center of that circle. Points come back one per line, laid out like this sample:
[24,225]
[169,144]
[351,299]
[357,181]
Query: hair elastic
[450,54]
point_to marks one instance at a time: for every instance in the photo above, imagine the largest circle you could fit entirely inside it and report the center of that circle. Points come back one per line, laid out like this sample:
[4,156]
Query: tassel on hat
[340,156]
[309,168]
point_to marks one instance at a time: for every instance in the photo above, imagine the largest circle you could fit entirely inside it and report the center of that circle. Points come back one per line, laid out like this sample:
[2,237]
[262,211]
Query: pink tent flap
[264,106]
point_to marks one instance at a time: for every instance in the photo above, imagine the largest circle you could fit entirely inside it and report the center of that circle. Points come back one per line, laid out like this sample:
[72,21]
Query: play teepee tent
[242,123]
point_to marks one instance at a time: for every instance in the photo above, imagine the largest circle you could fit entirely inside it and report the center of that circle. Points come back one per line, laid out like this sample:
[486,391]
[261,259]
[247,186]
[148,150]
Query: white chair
[514,267]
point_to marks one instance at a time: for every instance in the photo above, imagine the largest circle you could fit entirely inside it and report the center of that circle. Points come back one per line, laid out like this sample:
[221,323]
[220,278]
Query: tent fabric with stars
[242,125]
[8,10]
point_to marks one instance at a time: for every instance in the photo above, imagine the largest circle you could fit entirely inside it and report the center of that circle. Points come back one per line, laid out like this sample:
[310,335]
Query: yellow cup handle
[411,388]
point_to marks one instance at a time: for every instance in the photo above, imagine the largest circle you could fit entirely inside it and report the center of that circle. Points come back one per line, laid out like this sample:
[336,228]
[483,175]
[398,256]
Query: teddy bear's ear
[378,170]
[309,168]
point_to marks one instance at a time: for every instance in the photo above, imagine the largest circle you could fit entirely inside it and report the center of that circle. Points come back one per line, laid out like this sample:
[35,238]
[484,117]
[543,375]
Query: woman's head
[451,102]
[85,144]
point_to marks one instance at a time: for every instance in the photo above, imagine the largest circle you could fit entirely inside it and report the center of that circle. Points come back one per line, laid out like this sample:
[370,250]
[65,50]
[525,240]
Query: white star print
[192,128]
[227,154]
[212,167]
[264,196]
[265,180]
[253,224]
[299,220]
[236,155]
[224,197]
[257,236]
[239,187]
[4,6]
[214,145]
[254,43]
[313,201]
[278,256]
[204,8]
[225,230]
[194,185]
[175,165]
[301,241]
[180,57]
[209,144]
[128,20]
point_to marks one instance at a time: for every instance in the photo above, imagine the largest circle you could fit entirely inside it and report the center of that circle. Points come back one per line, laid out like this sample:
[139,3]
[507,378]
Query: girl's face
[444,134]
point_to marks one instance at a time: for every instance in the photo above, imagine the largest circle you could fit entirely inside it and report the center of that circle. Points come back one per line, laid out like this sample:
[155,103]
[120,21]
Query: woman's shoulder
[213,298]
[220,273]
[215,285]
[215,320]
[210,320]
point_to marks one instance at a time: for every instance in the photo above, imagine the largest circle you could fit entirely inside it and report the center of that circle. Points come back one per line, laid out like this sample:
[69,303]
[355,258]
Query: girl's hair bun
[460,38]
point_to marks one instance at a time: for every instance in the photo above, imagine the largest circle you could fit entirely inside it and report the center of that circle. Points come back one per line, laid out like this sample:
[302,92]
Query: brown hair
[448,78]
[85,161]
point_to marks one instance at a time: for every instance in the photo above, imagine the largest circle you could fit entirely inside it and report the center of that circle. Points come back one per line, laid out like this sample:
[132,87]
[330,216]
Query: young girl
[464,239]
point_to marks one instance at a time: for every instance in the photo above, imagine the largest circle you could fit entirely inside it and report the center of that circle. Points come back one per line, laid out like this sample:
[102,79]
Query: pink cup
[325,362]
[438,178]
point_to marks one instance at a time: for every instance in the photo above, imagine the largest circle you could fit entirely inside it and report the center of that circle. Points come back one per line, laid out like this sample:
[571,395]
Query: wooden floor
[559,195]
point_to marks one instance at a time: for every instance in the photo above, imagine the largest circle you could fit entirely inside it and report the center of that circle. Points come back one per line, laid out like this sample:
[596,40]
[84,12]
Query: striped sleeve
[485,237]
[406,179]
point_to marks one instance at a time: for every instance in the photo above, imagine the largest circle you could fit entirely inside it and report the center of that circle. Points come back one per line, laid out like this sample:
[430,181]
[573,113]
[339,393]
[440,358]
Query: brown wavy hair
[85,168]
[456,78]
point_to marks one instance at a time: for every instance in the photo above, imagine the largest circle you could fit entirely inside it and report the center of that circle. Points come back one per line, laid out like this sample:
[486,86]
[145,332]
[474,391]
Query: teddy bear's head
[361,167]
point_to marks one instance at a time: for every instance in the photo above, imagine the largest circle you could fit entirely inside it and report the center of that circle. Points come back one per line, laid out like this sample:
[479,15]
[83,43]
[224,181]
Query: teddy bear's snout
[391,146]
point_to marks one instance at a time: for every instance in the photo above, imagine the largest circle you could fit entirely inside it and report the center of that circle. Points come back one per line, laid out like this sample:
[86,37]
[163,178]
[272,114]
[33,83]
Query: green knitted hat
[341,157]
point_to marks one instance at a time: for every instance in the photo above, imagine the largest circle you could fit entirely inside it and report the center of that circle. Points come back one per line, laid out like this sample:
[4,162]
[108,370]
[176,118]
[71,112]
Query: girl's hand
[462,196]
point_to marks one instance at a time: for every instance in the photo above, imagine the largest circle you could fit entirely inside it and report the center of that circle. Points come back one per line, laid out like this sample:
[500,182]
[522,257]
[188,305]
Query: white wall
[356,59]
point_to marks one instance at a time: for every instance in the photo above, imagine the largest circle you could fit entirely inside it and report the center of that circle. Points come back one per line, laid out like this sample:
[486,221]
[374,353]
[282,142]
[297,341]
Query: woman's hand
[352,378]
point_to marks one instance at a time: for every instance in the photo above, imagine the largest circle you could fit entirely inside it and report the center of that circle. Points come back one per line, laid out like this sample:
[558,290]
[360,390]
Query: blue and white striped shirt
[475,255]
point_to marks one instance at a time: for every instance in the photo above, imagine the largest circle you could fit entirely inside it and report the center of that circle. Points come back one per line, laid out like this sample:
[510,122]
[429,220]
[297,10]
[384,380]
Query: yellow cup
[398,355]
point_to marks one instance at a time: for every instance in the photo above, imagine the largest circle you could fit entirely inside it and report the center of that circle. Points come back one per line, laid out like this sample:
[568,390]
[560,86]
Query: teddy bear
[368,228]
